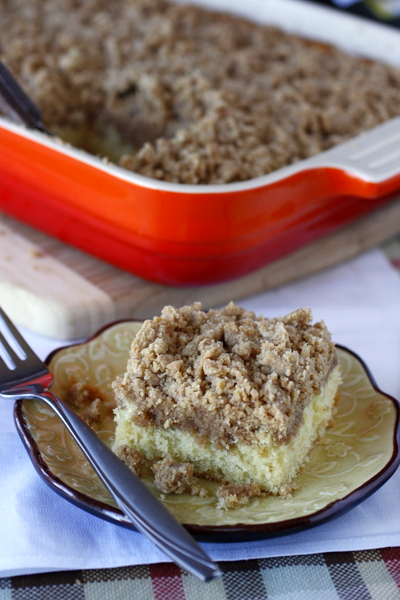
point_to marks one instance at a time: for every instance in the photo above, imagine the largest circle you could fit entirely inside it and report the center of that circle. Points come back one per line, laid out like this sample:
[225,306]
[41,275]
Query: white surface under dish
[43,532]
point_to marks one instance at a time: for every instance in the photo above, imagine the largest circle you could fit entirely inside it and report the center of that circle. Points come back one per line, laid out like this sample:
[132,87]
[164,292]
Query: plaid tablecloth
[347,576]
[373,574]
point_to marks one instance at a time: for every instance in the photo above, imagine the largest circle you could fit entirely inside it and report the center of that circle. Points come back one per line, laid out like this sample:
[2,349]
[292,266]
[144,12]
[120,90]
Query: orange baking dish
[185,235]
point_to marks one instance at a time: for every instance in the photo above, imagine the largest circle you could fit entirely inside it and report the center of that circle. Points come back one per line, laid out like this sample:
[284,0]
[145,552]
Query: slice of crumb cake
[234,397]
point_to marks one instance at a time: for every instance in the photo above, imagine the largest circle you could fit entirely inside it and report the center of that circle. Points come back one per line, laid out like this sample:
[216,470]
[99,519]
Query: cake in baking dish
[226,395]
[185,94]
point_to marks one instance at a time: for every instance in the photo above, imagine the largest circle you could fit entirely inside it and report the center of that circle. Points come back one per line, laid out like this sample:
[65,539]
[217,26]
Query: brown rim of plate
[215,533]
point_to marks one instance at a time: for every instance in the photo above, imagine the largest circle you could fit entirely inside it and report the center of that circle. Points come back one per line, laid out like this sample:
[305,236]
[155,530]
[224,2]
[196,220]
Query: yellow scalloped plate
[360,451]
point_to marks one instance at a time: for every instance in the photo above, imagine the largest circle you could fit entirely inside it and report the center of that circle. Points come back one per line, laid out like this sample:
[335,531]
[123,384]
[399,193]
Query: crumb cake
[185,94]
[228,396]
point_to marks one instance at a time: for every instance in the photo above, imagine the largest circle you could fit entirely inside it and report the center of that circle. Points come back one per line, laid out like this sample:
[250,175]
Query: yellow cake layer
[268,464]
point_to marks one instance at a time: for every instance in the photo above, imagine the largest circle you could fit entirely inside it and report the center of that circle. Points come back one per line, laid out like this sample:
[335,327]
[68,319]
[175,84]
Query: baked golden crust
[225,375]
[181,94]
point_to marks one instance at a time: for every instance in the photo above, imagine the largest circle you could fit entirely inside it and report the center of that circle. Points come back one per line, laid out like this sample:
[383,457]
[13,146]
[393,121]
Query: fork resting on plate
[24,376]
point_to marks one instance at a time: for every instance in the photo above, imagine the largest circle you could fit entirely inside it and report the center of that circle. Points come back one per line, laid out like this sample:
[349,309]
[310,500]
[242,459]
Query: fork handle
[135,500]
[16,104]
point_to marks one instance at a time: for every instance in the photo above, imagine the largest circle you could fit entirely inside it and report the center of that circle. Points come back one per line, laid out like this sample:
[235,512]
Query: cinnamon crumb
[95,412]
[171,477]
[235,495]
[225,374]
[79,395]
[88,401]
[132,458]
[183,94]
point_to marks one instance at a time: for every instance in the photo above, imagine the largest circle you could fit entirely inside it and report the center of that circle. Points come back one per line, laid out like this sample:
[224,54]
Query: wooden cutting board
[61,292]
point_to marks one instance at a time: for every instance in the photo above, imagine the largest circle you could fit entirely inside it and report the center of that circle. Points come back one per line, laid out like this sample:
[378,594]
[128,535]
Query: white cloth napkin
[40,531]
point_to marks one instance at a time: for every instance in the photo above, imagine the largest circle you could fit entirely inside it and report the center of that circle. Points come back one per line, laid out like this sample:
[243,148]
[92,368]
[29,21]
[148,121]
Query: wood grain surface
[61,292]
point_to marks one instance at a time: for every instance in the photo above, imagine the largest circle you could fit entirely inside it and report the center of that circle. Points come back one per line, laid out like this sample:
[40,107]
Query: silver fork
[16,104]
[24,375]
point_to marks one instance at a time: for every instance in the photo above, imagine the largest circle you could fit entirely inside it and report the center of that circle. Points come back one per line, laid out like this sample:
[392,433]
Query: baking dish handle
[372,159]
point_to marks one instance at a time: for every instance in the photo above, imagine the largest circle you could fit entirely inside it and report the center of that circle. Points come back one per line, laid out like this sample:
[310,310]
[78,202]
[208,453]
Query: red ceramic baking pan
[186,235]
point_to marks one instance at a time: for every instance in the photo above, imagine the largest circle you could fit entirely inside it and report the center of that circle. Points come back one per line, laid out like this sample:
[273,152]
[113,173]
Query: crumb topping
[132,458]
[236,495]
[89,403]
[225,374]
[188,95]
[172,477]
